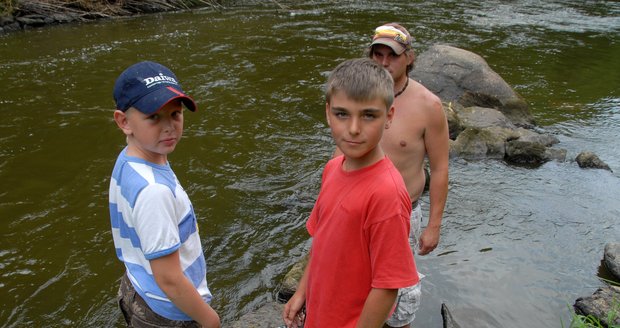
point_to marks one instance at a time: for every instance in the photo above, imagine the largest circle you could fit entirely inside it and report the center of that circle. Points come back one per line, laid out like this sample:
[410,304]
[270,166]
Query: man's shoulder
[422,93]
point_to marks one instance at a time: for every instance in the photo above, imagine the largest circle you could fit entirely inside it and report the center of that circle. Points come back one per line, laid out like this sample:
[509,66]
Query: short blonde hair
[361,79]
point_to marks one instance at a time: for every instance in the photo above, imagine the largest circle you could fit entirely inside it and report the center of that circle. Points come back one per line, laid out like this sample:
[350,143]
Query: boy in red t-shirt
[360,254]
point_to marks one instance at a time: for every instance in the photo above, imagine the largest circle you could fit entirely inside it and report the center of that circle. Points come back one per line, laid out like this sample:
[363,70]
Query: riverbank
[18,15]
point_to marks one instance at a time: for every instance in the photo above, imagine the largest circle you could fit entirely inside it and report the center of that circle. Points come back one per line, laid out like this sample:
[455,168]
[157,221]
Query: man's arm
[436,141]
[377,307]
[170,278]
[290,314]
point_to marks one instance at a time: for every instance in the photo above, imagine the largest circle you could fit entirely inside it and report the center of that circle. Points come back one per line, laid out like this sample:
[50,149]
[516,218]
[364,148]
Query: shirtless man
[419,128]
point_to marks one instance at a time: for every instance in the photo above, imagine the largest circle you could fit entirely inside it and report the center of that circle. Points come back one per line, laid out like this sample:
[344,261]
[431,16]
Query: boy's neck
[158,159]
[354,164]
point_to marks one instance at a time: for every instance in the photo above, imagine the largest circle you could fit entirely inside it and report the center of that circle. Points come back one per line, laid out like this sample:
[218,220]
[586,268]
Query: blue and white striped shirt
[151,217]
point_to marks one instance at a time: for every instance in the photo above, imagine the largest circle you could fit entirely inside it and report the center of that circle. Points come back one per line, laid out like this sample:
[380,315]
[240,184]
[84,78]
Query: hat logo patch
[161,78]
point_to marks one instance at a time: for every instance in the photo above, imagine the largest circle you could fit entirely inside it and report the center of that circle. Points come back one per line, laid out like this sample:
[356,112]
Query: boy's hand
[292,316]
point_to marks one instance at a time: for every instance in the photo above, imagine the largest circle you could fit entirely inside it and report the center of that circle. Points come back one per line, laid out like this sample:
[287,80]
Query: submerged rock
[588,159]
[448,321]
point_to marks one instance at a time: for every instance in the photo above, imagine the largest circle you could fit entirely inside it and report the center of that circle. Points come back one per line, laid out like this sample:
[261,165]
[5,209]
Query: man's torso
[403,142]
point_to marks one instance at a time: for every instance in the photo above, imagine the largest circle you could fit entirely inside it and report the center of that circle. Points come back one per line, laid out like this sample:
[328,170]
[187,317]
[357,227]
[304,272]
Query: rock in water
[448,321]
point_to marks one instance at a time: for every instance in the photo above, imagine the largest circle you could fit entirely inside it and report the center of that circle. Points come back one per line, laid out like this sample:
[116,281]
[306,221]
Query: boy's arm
[290,314]
[377,307]
[170,278]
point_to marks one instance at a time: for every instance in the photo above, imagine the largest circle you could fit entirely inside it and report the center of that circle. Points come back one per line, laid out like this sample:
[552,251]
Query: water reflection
[518,245]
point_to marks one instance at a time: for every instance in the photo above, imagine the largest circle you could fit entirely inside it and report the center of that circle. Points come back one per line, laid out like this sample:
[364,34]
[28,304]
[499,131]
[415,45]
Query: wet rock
[611,259]
[62,18]
[600,304]
[588,159]
[459,75]
[33,20]
[477,143]
[9,25]
[448,321]
[291,280]
[267,316]
[525,153]
[528,135]
[488,133]
[455,125]
[483,117]
[556,154]
[6,20]
[34,14]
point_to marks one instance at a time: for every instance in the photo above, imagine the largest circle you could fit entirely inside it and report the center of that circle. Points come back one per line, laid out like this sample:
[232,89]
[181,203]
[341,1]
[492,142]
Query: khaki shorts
[138,314]
[408,299]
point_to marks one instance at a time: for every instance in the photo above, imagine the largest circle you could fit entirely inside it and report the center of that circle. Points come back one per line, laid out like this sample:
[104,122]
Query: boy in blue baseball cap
[154,226]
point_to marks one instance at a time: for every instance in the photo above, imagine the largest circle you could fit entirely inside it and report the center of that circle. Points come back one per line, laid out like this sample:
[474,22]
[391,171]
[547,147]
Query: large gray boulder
[486,117]
[462,76]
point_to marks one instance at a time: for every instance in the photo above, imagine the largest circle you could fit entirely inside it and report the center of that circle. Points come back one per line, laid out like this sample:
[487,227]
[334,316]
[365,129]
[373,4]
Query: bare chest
[403,135]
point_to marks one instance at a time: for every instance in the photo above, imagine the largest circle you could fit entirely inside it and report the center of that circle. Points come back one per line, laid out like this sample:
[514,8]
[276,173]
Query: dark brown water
[518,245]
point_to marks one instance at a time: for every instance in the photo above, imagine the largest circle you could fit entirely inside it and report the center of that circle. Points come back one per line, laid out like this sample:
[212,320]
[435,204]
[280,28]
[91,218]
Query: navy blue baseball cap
[148,86]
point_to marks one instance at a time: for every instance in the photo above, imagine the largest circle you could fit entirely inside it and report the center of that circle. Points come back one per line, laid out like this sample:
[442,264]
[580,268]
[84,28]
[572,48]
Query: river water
[518,245]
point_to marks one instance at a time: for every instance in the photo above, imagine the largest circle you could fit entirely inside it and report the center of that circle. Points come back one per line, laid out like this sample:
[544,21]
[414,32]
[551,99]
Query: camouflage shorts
[407,303]
[408,299]
[139,315]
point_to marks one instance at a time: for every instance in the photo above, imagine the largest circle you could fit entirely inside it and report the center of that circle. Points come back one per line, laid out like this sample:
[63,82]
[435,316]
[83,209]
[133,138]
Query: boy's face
[152,137]
[357,128]
[395,64]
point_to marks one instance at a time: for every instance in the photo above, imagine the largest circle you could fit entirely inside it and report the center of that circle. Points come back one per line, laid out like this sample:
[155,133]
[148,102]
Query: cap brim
[396,47]
[154,101]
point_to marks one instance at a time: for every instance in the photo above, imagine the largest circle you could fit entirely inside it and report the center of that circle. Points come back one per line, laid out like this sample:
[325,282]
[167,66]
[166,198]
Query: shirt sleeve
[392,261]
[156,225]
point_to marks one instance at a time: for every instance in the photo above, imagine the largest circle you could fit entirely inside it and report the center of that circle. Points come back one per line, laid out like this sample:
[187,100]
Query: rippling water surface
[518,245]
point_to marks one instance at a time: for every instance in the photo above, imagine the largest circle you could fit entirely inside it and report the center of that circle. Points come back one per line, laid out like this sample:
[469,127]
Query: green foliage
[590,321]
[7,7]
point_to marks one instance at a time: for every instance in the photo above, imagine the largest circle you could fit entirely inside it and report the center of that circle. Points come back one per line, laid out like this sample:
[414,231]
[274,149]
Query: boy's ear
[390,116]
[327,113]
[120,118]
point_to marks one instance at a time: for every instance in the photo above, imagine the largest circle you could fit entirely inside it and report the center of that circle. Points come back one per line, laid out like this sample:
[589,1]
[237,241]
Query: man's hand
[428,240]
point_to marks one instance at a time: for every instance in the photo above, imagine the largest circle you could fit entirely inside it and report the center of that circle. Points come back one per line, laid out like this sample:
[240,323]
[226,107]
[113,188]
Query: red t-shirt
[359,227]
